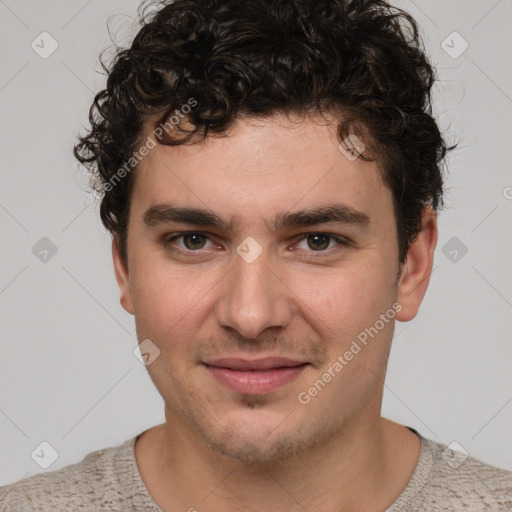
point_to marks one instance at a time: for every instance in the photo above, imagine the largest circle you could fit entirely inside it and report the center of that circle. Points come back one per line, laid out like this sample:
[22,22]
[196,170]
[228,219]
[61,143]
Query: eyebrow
[165,213]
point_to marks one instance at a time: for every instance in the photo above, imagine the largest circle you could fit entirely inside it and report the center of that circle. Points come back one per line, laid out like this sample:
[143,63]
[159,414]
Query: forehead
[262,166]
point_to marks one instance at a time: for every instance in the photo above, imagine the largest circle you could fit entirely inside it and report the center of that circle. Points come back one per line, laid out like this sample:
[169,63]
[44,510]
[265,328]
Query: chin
[257,449]
[258,437]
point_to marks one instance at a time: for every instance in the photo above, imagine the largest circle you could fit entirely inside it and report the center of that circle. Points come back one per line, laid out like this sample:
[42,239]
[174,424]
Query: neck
[365,467]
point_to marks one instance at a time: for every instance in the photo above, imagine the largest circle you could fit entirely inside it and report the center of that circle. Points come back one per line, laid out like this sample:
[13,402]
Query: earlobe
[417,268]
[122,278]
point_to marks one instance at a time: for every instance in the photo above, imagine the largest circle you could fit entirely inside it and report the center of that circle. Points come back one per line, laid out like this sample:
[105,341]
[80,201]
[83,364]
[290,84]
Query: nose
[254,297]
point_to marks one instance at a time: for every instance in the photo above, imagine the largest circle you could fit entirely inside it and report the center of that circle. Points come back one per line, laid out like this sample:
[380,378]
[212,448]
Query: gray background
[68,373]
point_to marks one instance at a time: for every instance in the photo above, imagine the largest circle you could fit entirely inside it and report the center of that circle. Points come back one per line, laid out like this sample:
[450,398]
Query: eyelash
[169,241]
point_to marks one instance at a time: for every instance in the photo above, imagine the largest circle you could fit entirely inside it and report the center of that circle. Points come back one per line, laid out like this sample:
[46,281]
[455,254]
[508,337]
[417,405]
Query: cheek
[162,296]
[345,299]
[172,302]
[345,310]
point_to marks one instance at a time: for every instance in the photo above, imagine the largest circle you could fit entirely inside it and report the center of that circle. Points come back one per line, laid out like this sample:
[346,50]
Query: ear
[121,271]
[417,268]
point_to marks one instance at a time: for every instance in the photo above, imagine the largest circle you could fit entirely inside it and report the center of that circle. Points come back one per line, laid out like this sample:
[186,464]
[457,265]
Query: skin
[221,450]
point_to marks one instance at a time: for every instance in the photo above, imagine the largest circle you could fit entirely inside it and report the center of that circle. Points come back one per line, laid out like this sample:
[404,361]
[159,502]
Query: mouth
[257,376]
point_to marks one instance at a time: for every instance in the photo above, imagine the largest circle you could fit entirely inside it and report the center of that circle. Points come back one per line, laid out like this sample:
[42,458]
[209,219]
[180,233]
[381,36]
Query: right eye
[192,241]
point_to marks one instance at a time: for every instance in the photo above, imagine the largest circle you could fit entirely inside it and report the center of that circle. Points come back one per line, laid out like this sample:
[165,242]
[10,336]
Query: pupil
[317,237]
[194,244]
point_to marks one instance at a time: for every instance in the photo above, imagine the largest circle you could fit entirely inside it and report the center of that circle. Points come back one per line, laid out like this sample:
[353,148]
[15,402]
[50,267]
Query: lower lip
[258,381]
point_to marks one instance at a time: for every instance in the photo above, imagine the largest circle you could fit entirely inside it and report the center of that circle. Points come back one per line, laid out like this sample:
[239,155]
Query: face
[263,281]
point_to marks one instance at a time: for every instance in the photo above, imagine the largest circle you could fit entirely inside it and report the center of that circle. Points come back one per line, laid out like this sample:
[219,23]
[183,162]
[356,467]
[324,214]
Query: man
[271,173]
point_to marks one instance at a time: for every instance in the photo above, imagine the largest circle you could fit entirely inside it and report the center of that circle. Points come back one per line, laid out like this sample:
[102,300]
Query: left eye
[315,242]
[321,241]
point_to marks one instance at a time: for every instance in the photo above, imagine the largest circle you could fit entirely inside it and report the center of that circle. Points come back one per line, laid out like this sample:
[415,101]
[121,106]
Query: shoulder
[458,481]
[86,485]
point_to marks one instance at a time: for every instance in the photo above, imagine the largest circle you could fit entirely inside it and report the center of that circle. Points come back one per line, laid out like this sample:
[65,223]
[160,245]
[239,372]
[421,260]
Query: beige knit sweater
[109,480]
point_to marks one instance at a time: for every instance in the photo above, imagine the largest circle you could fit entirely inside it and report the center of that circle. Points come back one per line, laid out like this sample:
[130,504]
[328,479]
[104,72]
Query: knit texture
[109,479]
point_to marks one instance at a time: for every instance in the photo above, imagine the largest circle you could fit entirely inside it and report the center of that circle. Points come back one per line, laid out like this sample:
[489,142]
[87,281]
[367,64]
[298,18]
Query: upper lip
[264,363]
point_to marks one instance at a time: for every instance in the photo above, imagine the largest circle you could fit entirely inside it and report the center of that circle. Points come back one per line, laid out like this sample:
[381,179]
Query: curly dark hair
[361,59]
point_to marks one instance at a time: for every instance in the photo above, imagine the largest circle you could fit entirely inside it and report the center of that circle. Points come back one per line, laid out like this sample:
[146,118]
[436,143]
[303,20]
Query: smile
[256,381]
